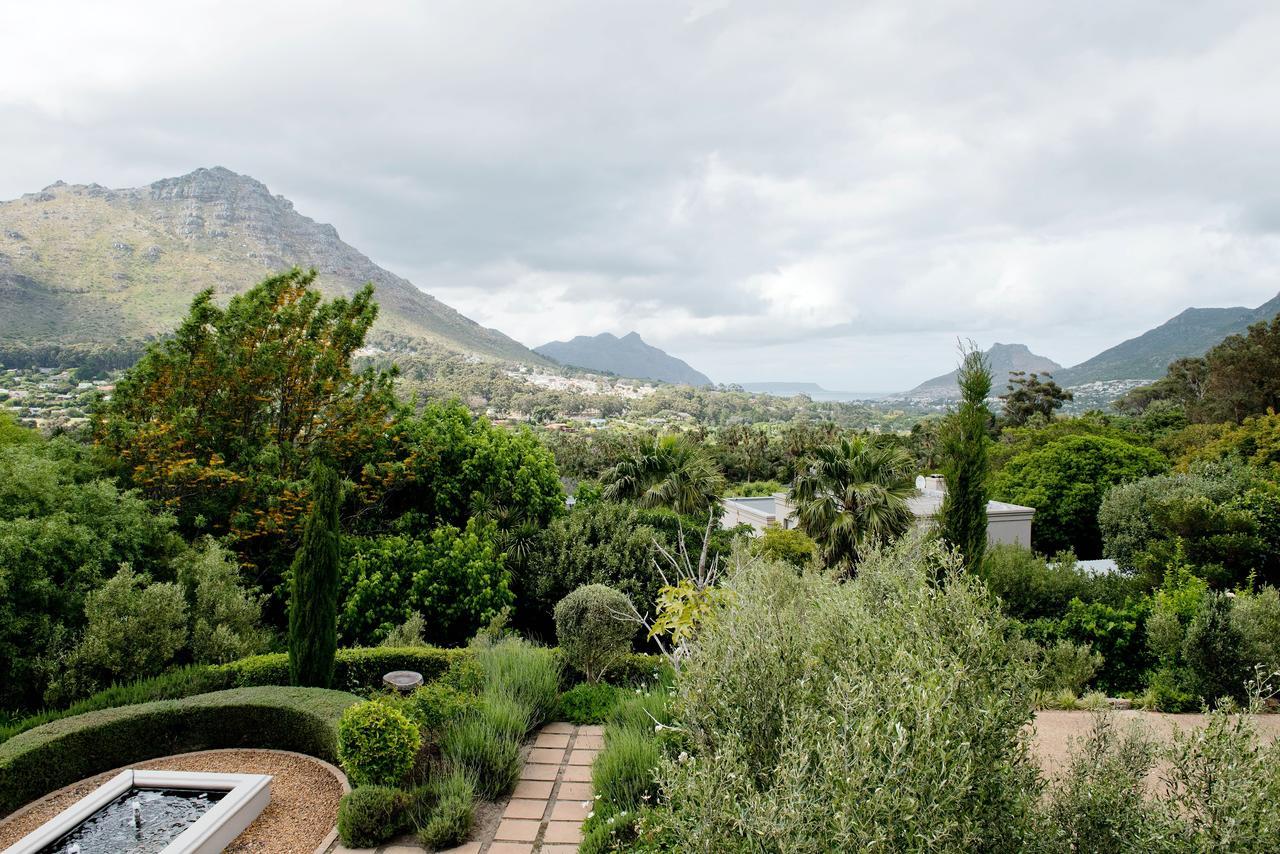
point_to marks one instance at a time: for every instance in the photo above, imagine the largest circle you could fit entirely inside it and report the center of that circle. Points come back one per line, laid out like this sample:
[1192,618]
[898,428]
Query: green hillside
[90,266]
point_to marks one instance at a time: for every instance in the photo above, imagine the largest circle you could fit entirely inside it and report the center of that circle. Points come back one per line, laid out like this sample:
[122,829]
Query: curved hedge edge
[43,759]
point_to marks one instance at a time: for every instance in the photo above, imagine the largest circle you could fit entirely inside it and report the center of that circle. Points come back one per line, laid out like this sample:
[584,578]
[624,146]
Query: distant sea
[813,390]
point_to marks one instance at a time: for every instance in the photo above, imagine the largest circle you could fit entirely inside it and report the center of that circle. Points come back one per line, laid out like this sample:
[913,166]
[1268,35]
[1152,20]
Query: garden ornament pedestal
[403,681]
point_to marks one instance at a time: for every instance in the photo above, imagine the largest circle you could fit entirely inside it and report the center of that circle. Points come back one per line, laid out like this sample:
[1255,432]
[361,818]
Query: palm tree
[853,492]
[672,472]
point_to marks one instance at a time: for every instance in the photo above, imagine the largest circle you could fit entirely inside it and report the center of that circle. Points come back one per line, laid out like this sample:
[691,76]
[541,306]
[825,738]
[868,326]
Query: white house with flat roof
[1006,523]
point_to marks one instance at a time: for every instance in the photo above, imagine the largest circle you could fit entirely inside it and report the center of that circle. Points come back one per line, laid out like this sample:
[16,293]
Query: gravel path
[302,812]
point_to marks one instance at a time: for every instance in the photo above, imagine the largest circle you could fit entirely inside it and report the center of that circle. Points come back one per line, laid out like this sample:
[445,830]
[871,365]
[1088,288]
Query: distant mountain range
[628,356]
[1004,359]
[1142,359]
[87,265]
[1191,333]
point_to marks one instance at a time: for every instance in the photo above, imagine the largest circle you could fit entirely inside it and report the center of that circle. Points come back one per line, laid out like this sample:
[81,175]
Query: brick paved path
[550,802]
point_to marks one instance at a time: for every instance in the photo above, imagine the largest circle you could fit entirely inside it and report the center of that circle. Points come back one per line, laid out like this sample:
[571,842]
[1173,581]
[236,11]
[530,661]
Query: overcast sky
[830,192]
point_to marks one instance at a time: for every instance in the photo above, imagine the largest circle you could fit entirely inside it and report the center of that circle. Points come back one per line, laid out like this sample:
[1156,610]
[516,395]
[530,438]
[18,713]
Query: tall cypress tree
[964,461]
[313,588]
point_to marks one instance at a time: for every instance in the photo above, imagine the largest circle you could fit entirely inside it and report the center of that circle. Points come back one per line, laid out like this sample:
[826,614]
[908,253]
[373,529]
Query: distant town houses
[1006,523]
[50,399]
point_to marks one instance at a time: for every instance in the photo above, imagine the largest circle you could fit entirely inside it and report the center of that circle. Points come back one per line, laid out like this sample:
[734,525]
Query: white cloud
[829,192]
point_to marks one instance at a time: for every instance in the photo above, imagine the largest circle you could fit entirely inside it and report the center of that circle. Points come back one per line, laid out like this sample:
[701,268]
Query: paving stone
[467,848]
[589,742]
[577,773]
[560,727]
[591,729]
[525,808]
[563,831]
[517,830]
[559,849]
[571,810]
[342,849]
[511,848]
[403,849]
[534,789]
[539,772]
[583,757]
[575,792]
[547,755]
[552,739]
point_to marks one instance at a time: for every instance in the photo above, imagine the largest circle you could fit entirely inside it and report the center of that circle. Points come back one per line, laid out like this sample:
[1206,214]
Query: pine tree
[964,461]
[313,589]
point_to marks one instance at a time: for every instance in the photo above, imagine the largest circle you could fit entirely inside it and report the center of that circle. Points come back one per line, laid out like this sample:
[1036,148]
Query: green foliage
[505,715]
[356,669]
[963,519]
[64,529]
[1030,588]
[1213,651]
[526,673]
[750,488]
[1216,515]
[641,711]
[456,579]
[64,751]
[225,618]
[436,705]
[371,815]
[452,812]
[409,633]
[852,494]
[589,703]
[135,628]
[597,543]
[805,695]
[1068,666]
[376,744]
[1029,397]
[1117,634]
[592,629]
[484,752]
[313,586]
[672,472]
[789,544]
[1256,616]
[623,773]
[1065,482]
[223,420]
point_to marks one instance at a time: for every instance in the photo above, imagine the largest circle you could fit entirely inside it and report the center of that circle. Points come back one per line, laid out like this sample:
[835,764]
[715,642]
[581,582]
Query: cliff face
[84,264]
[1004,359]
[628,356]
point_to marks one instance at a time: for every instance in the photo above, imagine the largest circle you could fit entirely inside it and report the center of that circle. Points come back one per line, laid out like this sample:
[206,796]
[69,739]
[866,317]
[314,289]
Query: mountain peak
[1004,359]
[628,356]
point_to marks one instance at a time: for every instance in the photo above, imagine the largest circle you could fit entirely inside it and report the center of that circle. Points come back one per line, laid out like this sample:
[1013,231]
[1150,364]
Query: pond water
[141,821]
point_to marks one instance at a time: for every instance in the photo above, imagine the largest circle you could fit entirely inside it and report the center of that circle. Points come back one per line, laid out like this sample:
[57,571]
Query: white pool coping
[247,796]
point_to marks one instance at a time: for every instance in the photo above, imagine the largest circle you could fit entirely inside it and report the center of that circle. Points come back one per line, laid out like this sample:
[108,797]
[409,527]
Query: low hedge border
[356,669]
[51,756]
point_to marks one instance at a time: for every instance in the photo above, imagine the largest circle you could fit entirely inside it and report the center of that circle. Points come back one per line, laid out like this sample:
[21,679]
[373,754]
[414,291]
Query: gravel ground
[303,808]
[1055,730]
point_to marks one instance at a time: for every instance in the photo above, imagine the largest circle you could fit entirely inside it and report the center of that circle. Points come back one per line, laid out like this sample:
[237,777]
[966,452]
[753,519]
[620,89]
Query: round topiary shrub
[591,629]
[376,744]
[370,815]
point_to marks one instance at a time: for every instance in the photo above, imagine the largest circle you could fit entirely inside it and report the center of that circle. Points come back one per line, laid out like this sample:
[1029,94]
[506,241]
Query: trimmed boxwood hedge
[357,669]
[48,757]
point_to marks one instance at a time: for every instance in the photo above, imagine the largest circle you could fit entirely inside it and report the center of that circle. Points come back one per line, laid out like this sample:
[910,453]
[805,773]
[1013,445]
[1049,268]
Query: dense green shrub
[1065,480]
[134,628]
[1067,666]
[528,674]
[885,712]
[436,705]
[488,755]
[455,578]
[1030,587]
[451,814]
[588,704]
[623,774]
[789,544]
[1256,617]
[1213,651]
[371,815]
[505,715]
[226,619]
[63,751]
[376,744]
[1117,634]
[641,711]
[356,669]
[593,629]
